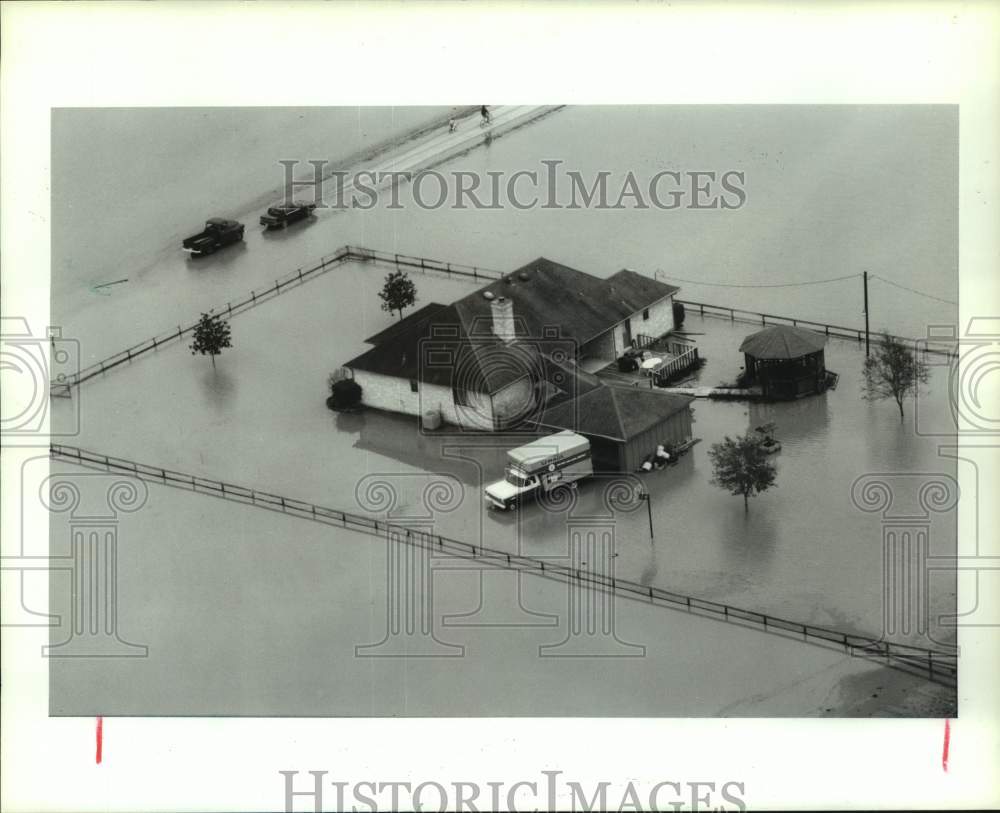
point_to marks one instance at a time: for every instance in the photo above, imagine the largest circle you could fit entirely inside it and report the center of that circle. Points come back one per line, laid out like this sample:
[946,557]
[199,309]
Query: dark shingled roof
[449,357]
[546,294]
[617,413]
[554,306]
[405,324]
[782,342]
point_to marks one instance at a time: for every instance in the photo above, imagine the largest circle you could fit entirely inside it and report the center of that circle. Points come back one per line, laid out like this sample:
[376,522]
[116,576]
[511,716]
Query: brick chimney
[503,319]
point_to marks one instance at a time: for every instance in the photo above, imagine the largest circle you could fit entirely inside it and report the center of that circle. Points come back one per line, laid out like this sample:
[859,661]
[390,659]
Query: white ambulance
[541,466]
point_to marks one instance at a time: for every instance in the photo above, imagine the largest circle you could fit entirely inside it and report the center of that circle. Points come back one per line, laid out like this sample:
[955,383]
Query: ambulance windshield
[517,478]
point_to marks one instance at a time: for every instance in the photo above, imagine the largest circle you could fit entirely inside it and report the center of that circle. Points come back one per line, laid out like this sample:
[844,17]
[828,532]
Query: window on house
[413,385]
[645,314]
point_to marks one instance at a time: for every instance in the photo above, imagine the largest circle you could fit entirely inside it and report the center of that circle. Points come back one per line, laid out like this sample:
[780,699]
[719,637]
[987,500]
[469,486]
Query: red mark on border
[947,744]
[100,740]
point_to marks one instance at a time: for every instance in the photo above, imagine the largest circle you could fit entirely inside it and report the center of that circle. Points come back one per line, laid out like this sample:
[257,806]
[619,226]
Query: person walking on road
[484,111]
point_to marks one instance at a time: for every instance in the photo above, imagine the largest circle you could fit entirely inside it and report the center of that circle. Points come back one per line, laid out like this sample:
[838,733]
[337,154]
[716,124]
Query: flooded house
[498,356]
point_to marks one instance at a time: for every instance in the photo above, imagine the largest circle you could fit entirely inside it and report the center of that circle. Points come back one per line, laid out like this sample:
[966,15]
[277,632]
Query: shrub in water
[344,394]
[678,314]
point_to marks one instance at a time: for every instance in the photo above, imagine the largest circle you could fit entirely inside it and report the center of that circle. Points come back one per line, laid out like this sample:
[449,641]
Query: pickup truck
[278,217]
[218,233]
[555,461]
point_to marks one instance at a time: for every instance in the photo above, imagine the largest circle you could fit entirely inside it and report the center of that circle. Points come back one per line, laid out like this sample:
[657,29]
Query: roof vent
[523,276]
[487,294]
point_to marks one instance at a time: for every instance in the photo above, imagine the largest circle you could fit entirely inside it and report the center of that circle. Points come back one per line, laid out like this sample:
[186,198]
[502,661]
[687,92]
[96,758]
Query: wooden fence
[837,331]
[937,665]
[62,385]
[685,361]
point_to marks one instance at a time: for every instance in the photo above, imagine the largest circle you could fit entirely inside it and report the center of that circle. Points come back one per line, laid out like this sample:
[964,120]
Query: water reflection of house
[398,438]
[491,359]
[786,361]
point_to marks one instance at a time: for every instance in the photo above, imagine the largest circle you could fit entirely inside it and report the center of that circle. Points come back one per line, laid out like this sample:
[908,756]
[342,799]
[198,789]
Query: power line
[913,290]
[758,285]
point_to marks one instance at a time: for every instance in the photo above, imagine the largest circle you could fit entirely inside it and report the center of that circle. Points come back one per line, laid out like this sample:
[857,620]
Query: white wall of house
[660,321]
[396,395]
[614,343]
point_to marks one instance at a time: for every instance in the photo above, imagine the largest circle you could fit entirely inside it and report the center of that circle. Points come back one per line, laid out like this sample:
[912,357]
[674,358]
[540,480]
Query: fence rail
[685,361]
[837,331]
[62,386]
[937,665]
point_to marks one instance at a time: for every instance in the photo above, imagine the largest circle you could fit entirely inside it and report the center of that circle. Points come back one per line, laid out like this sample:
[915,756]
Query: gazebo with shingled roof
[785,361]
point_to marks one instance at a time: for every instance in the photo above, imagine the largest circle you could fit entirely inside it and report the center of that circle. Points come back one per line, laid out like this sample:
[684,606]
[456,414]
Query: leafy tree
[894,371]
[211,336]
[398,292]
[741,466]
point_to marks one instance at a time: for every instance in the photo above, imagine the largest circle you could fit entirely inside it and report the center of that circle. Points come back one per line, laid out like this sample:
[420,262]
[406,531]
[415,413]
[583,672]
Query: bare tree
[211,336]
[894,371]
[398,292]
[741,466]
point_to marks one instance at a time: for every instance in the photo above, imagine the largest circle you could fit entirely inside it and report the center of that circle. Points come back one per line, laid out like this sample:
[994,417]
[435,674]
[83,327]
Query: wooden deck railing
[685,361]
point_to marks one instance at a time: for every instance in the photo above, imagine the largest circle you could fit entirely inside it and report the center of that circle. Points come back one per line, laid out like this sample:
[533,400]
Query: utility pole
[866,315]
[644,495]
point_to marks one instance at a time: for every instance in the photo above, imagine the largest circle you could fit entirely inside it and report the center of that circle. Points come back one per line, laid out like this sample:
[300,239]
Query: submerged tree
[398,292]
[741,466]
[211,336]
[894,371]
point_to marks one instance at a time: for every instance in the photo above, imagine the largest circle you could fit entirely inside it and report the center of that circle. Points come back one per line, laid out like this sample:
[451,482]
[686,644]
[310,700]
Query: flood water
[824,199]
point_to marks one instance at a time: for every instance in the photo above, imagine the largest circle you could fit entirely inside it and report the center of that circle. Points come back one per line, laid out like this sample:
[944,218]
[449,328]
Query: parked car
[278,217]
[555,461]
[218,233]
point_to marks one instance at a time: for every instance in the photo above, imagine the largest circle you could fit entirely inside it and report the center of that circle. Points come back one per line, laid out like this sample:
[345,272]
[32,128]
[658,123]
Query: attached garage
[624,425]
